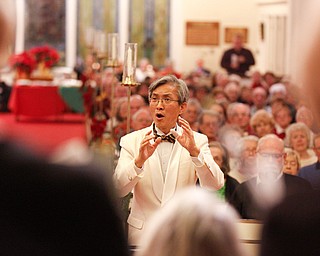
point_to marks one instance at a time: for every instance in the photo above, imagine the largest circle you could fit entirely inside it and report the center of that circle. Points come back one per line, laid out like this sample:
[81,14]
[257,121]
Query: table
[72,96]
[36,101]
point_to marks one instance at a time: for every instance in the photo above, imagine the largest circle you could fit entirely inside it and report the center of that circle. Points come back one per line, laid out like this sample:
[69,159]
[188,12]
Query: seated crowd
[261,135]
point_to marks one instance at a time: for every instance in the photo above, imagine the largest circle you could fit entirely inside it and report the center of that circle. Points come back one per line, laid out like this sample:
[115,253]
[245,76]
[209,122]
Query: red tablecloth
[36,101]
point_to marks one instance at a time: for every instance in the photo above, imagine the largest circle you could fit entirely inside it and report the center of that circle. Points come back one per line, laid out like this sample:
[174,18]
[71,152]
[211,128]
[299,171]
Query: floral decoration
[22,62]
[97,127]
[45,54]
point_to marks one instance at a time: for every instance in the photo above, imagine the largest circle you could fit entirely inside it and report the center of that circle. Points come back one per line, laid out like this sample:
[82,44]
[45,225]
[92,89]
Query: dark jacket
[249,208]
[48,209]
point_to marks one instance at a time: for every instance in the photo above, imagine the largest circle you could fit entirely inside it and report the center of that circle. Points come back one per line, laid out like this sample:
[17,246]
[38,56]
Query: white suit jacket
[150,190]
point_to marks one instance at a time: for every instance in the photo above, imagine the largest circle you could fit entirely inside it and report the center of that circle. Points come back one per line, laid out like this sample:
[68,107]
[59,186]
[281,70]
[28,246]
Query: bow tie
[170,138]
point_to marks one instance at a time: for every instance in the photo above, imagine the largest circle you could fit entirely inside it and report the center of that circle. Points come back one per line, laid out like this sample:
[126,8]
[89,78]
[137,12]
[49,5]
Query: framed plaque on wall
[202,33]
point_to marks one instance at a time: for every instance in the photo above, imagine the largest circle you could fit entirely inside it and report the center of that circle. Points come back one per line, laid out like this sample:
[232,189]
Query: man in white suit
[154,166]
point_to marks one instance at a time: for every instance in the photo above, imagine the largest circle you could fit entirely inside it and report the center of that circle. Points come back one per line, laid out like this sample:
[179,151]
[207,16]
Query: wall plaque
[202,33]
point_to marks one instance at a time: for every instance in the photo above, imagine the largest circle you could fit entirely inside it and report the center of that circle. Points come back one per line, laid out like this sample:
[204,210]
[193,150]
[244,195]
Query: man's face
[164,115]
[240,117]
[209,126]
[283,117]
[217,155]
[135,105]
[142,120]
[191,114]
[270,159]
[248,158]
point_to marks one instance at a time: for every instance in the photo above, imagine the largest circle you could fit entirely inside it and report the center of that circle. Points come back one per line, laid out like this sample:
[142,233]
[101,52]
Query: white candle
[114,48]
[89,36]
[102,43]
[129,62]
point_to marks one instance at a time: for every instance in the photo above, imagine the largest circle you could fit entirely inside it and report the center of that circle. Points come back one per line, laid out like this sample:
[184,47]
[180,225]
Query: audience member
[239,114]
[169,69]
[283,118]
[201,93]
[209,123]
[218,107]
[221,157]
[291,162]
[141,119]
[192,113]
[232,91]
[153,167]
[245,95]
[200,69]
[238,59]
[120,114]
[270,78]
[229,136]
[194,222]
[5,92]
[277,91]
[312,172]
[255,197]
[305,115]
[298,138]
[262,123]
[144,70]
[136,102]
[292,228]
[258,81]
[259,100]
[220,79]
[53,209]
[246,157]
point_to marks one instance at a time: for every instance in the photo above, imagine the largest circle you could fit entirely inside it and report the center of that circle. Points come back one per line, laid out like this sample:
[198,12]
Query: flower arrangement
[46,54]
[97,127]
[22,62]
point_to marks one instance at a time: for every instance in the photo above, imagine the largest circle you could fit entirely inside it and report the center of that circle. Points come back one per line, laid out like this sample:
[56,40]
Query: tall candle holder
[129,73]
[113,62]
[98,44]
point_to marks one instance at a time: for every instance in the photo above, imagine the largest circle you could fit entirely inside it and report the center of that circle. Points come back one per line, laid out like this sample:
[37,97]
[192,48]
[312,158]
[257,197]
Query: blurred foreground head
[307,69]
[194,222]
[7,25]
[293,227]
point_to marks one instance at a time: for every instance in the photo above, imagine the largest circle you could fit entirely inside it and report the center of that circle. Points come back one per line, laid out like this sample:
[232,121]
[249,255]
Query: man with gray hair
[256,196]
[239,114]
[163,158]
[209,123]
[246,149]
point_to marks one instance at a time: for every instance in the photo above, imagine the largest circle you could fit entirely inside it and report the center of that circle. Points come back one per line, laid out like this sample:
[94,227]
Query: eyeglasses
[211,124]
[270,155]
[165,101]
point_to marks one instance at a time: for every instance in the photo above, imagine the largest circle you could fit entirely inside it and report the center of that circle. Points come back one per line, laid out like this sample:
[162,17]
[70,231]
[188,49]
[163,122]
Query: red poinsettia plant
[22,62]
[45,54]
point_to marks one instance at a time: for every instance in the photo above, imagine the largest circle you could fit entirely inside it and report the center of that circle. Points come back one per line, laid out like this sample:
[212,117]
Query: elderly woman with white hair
[298,138]
[194,222]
